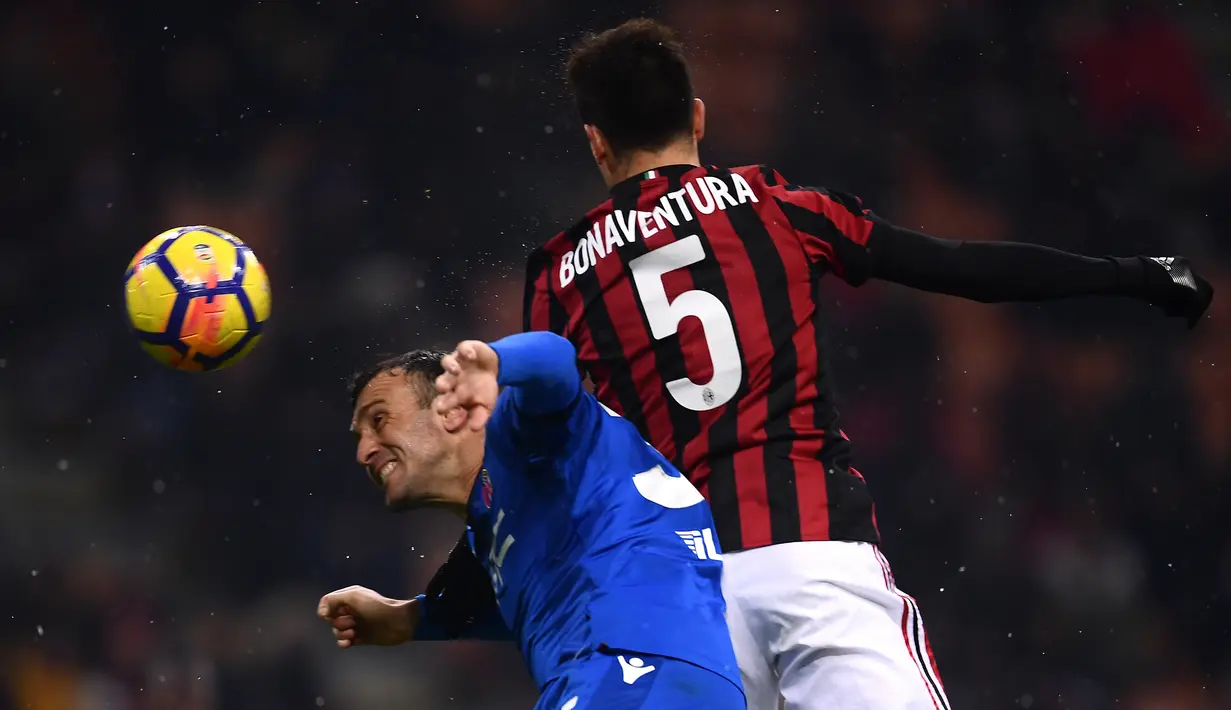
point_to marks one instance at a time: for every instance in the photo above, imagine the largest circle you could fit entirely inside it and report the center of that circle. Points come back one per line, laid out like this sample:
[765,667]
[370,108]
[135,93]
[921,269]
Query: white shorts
[822,625]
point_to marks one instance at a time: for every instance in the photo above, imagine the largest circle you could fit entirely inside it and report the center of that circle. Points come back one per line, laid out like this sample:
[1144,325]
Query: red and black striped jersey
[691,296]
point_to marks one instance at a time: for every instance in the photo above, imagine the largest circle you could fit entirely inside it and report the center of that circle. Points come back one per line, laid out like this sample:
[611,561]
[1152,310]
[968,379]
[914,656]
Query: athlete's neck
[461,507]
[682,153]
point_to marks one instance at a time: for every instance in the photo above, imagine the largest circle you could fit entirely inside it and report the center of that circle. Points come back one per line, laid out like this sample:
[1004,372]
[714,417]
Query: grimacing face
[402,444]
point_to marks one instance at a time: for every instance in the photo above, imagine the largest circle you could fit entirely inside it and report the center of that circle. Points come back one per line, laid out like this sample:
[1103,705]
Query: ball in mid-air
[197,298]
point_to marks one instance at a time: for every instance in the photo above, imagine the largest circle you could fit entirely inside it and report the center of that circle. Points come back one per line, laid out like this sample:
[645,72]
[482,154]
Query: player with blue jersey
[583,544]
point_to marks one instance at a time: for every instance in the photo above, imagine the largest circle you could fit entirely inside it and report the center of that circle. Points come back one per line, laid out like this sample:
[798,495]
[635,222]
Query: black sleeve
[993,272]
[461,599]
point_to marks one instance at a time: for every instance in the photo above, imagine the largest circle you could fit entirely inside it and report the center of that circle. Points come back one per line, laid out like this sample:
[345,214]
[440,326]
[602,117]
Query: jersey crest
[485,488]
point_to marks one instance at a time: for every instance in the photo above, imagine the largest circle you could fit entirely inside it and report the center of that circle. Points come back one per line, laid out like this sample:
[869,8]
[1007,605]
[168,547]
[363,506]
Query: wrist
[409,611]
[1131,278]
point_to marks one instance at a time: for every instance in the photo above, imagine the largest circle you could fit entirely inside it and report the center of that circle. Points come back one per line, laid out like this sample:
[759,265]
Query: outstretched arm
[836,230]
[458,604]
[1005,271]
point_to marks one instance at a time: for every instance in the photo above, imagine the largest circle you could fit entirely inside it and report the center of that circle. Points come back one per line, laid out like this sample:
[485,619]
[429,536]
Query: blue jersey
[590,538]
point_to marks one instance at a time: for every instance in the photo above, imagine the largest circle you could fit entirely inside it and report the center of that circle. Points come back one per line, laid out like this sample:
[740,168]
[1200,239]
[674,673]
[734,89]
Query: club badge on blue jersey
[485,488]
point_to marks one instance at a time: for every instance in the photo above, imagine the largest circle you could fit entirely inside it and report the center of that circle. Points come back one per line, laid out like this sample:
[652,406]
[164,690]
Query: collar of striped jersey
[662,171]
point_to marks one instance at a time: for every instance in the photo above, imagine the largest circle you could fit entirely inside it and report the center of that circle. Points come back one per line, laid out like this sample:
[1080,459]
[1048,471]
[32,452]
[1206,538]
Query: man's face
[402,443]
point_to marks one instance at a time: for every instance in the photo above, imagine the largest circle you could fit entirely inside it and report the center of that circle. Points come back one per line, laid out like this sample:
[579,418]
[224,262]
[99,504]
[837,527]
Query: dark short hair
[421,368]
[632,82]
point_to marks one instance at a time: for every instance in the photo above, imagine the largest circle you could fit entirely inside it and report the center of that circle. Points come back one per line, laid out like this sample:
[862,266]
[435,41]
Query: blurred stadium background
[1052,481]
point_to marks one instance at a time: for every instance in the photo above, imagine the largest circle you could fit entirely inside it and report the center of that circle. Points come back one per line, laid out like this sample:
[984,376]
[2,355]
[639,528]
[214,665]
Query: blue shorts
[613,680]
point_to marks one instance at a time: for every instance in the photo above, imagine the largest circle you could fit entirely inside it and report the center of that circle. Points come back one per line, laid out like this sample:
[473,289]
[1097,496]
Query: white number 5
[664,317]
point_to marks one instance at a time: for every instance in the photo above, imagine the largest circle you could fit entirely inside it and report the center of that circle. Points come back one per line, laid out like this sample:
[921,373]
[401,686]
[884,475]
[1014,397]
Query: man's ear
[598,145]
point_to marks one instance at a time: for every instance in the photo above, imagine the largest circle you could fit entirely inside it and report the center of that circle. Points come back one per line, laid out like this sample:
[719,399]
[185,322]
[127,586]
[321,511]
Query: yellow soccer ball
[197,298]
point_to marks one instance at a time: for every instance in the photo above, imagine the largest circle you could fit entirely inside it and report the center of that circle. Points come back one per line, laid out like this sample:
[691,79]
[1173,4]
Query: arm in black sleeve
[837,232]
[993,272]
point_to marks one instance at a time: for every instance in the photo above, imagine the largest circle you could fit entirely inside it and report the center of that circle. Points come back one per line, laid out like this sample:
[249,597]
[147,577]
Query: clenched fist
[359,615]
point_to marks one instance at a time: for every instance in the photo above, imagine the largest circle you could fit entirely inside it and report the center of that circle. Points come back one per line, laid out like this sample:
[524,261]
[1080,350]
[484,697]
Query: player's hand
[360,616]
[1176,288]
[469,382]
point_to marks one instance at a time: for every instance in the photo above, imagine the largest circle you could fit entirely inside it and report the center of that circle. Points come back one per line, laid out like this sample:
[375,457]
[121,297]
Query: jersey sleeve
[857,245]
[540,370]
[542,389]
[833,226]
[995,272]
[459,604]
